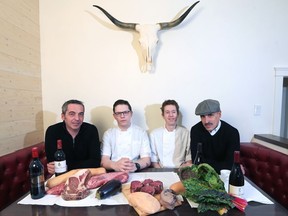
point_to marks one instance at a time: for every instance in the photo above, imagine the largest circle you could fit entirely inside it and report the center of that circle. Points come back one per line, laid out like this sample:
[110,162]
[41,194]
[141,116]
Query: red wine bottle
[198,158]
[36,172]
[236,177]
[60,160]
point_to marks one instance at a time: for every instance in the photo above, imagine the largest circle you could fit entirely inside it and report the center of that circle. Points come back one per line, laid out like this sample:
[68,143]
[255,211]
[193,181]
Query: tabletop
[253,208]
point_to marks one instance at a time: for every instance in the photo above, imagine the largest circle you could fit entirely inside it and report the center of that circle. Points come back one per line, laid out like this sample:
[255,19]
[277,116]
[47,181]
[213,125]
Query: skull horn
[167,25]
[117,22]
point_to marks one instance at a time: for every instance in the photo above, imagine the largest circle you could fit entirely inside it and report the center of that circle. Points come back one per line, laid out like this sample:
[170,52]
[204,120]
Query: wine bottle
[236,177]
[60,160]
[36,172]
[198,158]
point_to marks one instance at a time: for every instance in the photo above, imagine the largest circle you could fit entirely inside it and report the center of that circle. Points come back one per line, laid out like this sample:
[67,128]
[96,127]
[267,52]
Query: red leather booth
[268,169]
[14,173]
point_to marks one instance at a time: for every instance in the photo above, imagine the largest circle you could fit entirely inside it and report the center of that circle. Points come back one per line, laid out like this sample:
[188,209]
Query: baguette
[97,171]
[52,182]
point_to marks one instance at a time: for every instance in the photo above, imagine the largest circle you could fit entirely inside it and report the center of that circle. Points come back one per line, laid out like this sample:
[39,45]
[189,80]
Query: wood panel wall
[21,116]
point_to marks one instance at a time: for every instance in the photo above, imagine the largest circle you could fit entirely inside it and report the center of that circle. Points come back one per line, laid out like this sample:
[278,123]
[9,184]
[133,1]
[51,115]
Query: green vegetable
[209,175]
[110,188]
[203,186]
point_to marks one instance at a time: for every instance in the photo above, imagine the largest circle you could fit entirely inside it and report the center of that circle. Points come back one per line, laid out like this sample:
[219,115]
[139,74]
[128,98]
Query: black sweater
[82,152]
[218,150]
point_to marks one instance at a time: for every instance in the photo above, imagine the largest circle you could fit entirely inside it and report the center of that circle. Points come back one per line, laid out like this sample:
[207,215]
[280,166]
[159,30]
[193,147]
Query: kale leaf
[203,186]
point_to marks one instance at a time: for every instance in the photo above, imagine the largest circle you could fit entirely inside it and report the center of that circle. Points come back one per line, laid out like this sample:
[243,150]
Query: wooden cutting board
[126,192]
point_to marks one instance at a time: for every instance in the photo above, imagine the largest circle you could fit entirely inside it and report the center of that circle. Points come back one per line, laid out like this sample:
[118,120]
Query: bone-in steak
[75,186]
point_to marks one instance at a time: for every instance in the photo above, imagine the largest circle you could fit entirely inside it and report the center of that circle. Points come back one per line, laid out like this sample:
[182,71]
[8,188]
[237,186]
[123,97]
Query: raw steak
[135,186]
[147,181]
[147,186]
[57,190]
[99,180]
[75,186]
[148,189]
[158,186]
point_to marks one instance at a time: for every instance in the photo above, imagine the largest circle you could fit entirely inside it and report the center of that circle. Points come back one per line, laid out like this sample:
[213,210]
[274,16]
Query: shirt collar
[214,131]
[167,130]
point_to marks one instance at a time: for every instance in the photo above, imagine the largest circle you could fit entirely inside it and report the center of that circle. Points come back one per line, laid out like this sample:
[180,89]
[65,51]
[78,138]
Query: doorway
[280,113]
[284,112]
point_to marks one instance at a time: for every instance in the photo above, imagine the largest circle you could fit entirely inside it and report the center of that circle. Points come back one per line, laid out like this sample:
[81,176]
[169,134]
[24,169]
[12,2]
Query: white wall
[224,50]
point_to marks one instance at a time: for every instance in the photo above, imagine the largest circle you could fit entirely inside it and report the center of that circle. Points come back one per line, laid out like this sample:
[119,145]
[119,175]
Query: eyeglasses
[125,113]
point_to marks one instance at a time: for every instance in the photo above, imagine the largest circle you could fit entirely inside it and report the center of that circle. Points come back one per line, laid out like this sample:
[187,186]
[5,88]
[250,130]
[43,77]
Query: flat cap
[207,107]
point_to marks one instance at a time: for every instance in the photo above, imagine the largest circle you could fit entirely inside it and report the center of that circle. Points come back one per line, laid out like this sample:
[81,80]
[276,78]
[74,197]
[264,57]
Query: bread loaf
[144,202]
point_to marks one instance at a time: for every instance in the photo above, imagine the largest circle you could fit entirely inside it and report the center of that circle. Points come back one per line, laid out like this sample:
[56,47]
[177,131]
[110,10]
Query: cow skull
[148,34]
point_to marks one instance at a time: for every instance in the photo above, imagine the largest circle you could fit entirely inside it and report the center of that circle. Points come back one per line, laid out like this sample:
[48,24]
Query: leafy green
[209,175]
[203,186]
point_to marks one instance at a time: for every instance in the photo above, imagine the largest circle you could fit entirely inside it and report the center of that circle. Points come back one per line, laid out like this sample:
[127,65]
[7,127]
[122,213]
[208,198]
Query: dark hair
[120,102]
[169,102]
[73,101]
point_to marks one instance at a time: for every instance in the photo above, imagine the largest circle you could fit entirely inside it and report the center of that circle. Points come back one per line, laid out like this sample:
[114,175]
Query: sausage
[52,182]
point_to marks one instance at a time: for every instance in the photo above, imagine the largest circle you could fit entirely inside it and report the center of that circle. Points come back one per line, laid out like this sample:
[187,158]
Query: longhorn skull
[148,34]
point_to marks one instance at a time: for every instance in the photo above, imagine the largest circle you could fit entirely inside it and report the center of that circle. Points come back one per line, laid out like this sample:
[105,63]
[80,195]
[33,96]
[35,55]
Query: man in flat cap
[219,139]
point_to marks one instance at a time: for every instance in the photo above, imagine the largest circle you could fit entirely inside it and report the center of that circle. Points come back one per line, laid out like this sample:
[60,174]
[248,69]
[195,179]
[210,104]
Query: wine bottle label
[60,166]
[236,190]
[37,180]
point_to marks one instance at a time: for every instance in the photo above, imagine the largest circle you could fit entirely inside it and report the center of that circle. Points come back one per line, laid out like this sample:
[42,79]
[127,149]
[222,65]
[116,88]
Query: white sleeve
[153,148]
[106,148]
[145,146]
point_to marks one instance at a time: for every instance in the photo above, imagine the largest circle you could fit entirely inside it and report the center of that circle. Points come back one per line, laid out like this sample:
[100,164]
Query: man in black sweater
[80,140]
[219,139]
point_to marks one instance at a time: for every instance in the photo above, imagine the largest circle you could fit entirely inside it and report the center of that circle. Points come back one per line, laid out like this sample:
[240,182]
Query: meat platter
[167,178]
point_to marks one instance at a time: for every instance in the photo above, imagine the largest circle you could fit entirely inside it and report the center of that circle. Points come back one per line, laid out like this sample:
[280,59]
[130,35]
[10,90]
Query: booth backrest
[268,169]
[14,173]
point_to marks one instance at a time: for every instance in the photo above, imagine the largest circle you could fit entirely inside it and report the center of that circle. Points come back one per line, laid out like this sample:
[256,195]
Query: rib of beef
[99,180]
[57,190]
[75,186]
